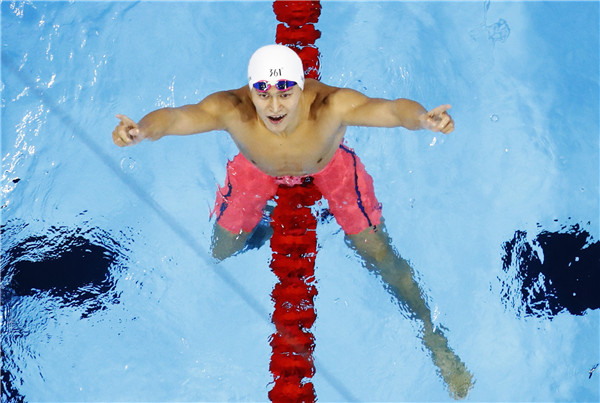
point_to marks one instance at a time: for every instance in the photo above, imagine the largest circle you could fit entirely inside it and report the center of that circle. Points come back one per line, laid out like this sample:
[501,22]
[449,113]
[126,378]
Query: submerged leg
[374,246]
[226,243]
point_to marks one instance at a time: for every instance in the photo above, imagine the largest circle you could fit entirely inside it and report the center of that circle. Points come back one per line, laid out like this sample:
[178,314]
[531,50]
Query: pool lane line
[163,214]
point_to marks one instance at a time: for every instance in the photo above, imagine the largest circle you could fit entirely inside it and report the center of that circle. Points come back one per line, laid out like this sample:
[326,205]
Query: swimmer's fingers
[439,110]
[126,133]
[438,120]
[126,120]
[448,127]
[445,124]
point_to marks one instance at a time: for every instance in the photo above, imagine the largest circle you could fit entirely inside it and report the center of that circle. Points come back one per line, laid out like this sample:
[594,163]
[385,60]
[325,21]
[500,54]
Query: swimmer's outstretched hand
[438,120]
[127,132]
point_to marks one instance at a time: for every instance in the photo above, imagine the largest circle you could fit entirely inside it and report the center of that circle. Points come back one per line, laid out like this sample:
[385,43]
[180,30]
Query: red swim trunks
[344,182]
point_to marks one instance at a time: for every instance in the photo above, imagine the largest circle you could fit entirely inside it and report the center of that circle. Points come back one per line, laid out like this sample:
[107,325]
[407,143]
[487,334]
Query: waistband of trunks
[293,180]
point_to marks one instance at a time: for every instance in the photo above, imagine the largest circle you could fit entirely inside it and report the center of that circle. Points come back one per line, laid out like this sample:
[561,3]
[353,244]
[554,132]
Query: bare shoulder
[335,98]
[226,104]
[326,99]
[226,100]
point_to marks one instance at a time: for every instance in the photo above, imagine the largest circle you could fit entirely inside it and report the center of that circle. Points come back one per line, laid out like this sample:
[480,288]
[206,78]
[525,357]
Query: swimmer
[289,130]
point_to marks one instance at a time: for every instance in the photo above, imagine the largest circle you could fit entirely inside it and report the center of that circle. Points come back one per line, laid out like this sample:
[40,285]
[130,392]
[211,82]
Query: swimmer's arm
[360,110]
[205,116]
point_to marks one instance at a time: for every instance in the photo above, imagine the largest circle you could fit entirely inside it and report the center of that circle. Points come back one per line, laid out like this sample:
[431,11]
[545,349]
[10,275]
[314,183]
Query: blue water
[148,317]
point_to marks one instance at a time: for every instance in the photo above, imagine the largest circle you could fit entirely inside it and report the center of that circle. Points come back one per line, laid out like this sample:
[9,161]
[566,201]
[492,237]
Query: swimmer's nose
[275,104]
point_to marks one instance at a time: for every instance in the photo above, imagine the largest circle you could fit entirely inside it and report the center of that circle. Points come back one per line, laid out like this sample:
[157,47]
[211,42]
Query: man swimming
[290,130]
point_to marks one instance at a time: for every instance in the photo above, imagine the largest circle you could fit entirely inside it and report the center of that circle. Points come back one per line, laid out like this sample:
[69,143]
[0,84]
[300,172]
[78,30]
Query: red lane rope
[298,32]
[294,246]
[294,240]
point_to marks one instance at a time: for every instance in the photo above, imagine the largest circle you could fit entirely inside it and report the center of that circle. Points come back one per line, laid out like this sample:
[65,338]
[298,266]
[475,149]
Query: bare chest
[305,151]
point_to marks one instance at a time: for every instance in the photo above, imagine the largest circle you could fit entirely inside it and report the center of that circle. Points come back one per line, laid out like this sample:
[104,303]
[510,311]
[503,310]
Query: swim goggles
[281,85]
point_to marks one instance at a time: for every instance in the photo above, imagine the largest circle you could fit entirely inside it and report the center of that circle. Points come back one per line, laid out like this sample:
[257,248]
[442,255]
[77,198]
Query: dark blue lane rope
[161,212]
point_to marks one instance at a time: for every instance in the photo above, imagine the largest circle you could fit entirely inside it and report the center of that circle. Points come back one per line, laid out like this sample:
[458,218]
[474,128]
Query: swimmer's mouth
[276,119]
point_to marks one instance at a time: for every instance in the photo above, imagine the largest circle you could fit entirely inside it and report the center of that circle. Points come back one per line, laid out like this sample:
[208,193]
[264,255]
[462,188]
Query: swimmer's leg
[226,243]
[374,246]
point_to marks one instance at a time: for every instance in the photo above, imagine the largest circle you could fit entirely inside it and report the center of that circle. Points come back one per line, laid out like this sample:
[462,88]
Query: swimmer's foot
[454,372]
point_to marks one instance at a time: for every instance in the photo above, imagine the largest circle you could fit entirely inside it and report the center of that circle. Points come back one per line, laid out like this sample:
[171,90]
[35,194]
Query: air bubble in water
[128,164]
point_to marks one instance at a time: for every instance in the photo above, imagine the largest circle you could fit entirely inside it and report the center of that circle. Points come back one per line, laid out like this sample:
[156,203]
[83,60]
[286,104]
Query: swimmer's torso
[304,151]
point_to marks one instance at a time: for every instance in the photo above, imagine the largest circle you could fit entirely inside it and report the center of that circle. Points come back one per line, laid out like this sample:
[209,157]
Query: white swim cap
[273,63]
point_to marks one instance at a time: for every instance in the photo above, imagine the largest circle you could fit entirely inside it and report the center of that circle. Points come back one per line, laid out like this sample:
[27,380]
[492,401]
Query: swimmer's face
[277,109]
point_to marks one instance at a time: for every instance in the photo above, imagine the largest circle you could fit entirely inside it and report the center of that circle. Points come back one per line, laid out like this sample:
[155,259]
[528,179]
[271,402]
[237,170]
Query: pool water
[108,290]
